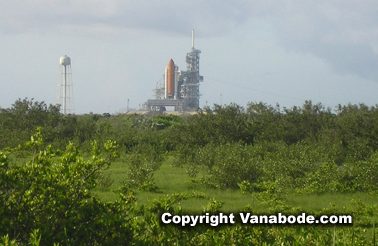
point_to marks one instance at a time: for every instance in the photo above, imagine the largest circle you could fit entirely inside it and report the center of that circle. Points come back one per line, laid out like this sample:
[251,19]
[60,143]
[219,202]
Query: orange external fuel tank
[170,78]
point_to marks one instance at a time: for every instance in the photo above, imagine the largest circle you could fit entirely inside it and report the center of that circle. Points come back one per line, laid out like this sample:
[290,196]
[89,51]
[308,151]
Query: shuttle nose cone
[171,63]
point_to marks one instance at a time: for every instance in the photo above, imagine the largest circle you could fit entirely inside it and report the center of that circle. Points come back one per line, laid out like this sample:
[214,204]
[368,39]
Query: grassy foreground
[172,179]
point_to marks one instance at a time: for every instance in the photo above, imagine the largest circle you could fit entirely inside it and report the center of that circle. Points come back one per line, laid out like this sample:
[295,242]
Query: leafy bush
[227,164]
[142,163]
[53,196]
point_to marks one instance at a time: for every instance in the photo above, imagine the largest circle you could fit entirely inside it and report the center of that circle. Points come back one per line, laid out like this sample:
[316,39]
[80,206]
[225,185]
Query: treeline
[260,142]
[351,129]
[310,148]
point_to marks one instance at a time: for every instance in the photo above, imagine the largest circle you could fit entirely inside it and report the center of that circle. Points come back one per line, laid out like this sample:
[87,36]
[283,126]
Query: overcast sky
[282,52]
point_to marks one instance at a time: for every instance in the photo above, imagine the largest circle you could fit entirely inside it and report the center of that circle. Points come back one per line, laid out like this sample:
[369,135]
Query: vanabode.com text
[248,218]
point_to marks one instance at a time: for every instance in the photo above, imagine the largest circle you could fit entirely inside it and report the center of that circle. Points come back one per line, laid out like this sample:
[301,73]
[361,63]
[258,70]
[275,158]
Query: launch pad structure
[178,89]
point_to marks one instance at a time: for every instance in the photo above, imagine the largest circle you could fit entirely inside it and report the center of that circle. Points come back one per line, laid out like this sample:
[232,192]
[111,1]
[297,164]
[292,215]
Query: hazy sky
[271,51]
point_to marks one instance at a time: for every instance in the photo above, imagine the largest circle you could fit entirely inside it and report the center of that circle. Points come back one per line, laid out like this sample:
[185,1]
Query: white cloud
[342,34]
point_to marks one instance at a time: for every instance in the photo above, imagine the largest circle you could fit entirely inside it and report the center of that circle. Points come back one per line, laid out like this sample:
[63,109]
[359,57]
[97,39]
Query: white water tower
[65,90]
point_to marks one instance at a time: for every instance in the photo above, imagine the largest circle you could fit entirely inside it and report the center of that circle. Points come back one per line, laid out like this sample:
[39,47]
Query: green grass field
[172,179]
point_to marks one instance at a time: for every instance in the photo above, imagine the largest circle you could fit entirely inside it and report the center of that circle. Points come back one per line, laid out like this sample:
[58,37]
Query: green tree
[18,123]
[53,195]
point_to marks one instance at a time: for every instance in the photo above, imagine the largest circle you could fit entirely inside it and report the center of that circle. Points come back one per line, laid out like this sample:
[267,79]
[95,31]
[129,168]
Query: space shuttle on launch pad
[180,88]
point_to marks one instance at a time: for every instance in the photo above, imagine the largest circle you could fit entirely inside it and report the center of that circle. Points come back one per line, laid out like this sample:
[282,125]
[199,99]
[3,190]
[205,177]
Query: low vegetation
[99,180]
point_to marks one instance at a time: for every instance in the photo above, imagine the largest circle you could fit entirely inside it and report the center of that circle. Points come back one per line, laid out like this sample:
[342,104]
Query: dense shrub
[46,190]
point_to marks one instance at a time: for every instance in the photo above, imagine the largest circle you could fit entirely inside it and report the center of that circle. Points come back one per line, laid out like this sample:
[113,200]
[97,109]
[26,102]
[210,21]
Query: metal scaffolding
[186,95]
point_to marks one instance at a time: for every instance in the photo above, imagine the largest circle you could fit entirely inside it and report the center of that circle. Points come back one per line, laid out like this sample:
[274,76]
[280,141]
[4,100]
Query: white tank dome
[65,60]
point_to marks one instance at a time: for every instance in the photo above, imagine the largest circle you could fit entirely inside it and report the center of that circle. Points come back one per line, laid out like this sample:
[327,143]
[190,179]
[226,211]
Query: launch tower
[190,87]
[180,88]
